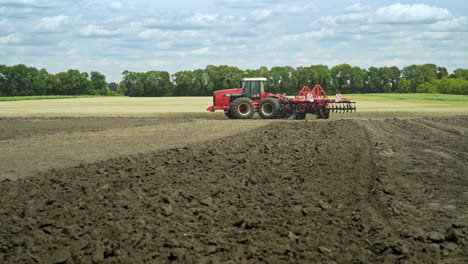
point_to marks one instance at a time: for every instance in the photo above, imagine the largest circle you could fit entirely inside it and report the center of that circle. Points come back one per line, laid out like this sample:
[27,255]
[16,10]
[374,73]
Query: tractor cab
[253,87]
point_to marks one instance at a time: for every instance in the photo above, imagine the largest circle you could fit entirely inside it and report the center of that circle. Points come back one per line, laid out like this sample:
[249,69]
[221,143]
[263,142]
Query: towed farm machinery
[242,103]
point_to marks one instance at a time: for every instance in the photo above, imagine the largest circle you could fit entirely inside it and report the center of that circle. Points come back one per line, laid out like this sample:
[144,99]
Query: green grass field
[368,106]
[410,96]
[43,97]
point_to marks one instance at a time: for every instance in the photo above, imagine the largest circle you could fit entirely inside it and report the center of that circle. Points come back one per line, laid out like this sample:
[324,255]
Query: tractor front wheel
[242,108]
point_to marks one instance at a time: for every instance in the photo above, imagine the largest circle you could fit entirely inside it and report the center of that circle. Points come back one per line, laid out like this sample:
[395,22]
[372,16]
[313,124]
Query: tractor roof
[253,79]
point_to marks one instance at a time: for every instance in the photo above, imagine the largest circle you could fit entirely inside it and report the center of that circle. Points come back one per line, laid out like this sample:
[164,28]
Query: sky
[174,35]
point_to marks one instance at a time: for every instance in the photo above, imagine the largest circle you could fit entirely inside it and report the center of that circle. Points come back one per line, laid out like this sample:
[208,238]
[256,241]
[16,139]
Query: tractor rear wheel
[242,108]
[269,108]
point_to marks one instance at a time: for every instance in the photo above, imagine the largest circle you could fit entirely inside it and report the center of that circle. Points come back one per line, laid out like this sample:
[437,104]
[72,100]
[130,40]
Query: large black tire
[269,108]
[242,108]
[285,115]
[228,114]
[318,113]
[322,113]
[299,115]
[326,113]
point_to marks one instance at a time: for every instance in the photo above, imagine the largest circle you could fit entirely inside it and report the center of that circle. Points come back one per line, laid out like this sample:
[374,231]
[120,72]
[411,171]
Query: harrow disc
[342,107]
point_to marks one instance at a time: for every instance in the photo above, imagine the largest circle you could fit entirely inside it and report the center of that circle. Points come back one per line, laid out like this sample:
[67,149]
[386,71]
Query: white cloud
[248,4]
[391,14]
[193,21]
[261,14]
[116,5]
[202,51]
[183,34]
[457,24]
[5,26]
[52,24]
[97,31]
[20,3]
[10,39]
[434,36]
[311,35]
[410,13]
[358,8]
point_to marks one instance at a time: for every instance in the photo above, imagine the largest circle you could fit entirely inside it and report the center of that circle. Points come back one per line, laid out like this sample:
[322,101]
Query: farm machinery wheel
[326,113]
[242,108]
[285,115]
[299,115]
[322,113]
[228,114]
[269,108]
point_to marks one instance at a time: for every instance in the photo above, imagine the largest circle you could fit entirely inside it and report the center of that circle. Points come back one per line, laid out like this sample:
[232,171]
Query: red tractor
[242,103]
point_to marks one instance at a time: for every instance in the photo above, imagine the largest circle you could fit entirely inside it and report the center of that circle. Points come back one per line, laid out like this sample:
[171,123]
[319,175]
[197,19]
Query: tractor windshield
[253,89]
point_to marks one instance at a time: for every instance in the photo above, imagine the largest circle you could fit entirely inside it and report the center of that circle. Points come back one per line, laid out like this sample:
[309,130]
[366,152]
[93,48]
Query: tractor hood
[229,92]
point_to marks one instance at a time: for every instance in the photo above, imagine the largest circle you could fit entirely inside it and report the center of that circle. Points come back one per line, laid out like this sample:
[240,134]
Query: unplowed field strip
[29,146]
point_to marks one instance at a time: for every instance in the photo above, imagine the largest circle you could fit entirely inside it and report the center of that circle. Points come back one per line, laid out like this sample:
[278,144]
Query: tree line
[20,80]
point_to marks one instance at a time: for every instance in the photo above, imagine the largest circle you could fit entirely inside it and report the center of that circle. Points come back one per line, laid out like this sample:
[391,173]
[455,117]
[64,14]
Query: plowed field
[341,191]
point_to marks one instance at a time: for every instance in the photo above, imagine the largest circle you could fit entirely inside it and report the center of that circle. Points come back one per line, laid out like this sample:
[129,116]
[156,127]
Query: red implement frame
[316,93]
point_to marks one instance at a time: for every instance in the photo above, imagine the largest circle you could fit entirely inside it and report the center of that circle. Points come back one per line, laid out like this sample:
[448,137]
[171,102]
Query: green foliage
[20,80]
[460,73]
[426,88]
[452,86]
[152,83]
[41,97]
[113,87]
[98,84]
[382,97]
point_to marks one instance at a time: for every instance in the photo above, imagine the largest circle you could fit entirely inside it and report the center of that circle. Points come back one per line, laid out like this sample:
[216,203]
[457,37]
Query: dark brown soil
[31,127]
[346,191]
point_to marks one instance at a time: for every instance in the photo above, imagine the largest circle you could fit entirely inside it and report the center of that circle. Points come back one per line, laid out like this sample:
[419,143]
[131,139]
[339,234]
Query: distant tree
[72,82]
[420,74]
[426,73]
[374,81]
[404,86]
[320,75]
[183,83]
[460,73]
[22,80]
[3,80]
[98,83]
[426,88]
[114,87]
[157,83]
[442,72]
[452,86]
[133,83]
[395,75]
[282,80]
[341,76]
[200,82]
[347,79]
